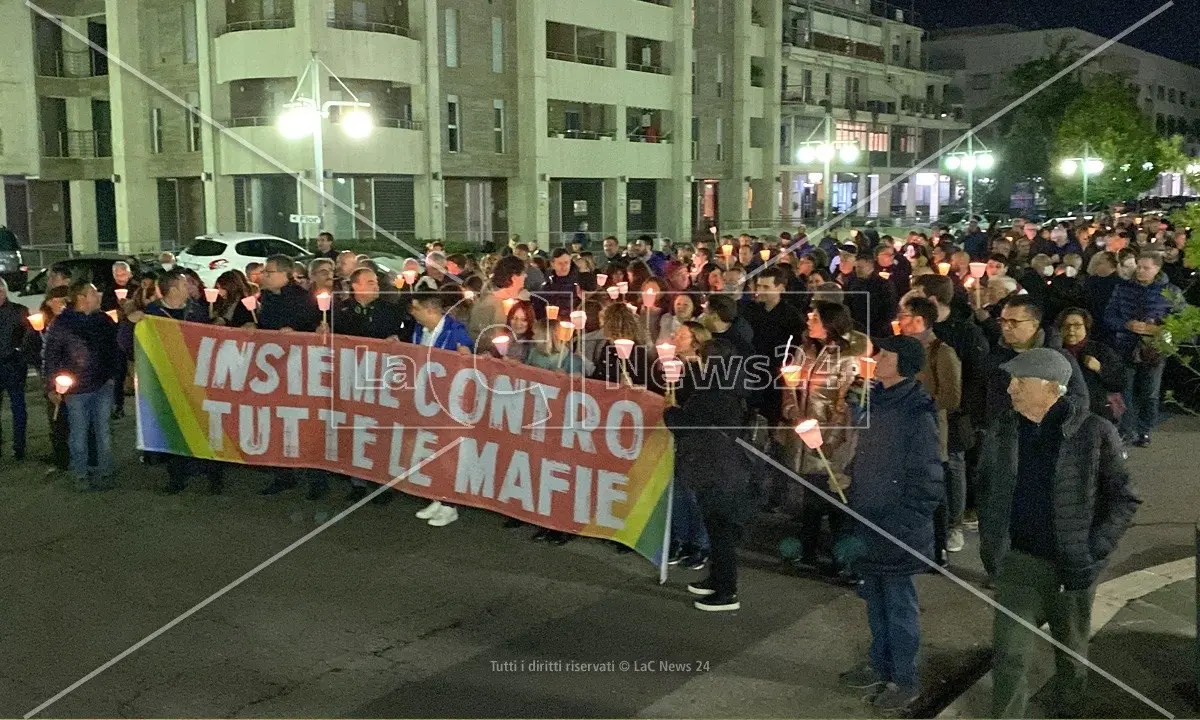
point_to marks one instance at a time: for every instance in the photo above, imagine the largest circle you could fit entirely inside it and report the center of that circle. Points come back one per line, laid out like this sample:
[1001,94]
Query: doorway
[480,208]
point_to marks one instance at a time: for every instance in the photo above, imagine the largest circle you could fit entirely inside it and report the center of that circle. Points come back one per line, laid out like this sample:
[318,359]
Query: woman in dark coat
[1103,369]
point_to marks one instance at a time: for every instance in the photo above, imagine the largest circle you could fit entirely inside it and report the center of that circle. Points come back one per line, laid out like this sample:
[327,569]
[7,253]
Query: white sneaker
[955,541]
[429,510]
[445,515]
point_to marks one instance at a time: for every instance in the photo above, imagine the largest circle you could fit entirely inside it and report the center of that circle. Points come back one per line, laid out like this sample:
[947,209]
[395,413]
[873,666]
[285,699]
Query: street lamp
[970,162]
[305,116]
[824,152]
[1085,166]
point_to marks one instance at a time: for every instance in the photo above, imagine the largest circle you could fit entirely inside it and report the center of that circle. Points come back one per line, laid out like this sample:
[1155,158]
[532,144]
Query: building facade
[535,118]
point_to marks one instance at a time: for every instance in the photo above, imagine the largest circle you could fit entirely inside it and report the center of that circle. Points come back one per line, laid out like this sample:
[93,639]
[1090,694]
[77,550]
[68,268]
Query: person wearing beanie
[1059,499]
[896,484]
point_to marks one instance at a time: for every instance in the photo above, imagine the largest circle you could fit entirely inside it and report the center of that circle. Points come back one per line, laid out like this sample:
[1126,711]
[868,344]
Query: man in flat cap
[1059,498]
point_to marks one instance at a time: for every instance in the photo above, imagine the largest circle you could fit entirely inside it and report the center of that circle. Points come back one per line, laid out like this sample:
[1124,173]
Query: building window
[498,124]
[1162,93]
[193,122]
[695,138]
[497,45]
[828,85]
[1171,95]
[453,124]
[694,87]
[806,85]
[720,138]
[189,32]
[451,38]
[1183,98]
[156,130]
[981,82]
[720,73]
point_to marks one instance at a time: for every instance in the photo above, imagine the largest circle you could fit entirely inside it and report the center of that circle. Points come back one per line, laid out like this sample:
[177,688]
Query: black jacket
[872,303]
[971,346]
[83,346]
[14,329]
[998,399]
[710,460]
[378,320]
[1094,497]
[1110,379]
[896,480]
[291,307]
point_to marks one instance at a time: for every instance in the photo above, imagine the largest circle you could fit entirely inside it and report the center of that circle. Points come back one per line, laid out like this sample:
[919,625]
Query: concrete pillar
[219,212]
[529,196]
[873,189]
[765,212]
[910,198]
[428,187]
[935,192]
[616,207]
[136,191]
[734,213]
[675,211]
[863,204]
[84,237]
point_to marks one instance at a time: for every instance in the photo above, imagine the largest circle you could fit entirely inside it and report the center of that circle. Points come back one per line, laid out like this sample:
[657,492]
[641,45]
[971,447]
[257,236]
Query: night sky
[1172,34]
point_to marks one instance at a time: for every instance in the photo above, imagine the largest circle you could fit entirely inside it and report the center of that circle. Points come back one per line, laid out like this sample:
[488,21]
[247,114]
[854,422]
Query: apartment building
[854,72]
[491,117]
[980,59]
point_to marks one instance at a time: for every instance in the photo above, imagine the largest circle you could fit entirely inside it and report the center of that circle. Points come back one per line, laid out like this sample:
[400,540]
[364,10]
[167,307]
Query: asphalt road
[383,616]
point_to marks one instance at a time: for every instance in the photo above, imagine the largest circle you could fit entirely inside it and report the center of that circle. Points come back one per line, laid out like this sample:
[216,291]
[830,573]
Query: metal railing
[70,64]
[401,123]
[664,138]
[77,144]
[280,23]
[583,134]
[249,121]
[577,58]
[638,67]
[364,26]
[43,256]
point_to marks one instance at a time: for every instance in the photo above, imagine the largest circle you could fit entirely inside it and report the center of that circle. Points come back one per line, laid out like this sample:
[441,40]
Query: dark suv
[12,267]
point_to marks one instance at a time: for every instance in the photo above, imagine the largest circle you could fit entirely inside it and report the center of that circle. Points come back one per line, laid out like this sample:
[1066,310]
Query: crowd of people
[991,382]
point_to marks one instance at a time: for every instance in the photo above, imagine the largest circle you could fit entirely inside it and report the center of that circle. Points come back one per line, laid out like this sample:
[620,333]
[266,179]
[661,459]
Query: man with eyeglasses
[1020,331]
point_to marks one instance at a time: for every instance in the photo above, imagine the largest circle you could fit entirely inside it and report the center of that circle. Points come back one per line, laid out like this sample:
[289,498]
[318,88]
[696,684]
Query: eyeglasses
[1012,322]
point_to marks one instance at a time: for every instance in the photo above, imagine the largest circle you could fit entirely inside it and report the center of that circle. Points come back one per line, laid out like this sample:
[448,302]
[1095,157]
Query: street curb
[1111,597]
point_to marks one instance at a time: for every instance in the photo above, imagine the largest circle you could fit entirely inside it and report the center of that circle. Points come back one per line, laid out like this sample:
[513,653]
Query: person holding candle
[618,322]
[82,345]
[14,332]
[227,308]
[562,287]
[520,322]
[52,306]
[870,298]
[365,314]
[284,305]
[896,483]
[489,314]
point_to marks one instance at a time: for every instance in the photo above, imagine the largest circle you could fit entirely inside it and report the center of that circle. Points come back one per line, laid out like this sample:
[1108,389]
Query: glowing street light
[970,162]
[1085,166]
[825,152]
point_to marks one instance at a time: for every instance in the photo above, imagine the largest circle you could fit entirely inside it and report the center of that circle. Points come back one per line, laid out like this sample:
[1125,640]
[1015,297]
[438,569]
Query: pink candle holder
[810,432]
[624,348]
[666,351]
[211,295]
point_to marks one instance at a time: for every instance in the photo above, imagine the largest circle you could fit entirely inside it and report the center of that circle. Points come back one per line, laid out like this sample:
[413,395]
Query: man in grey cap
[1050,520]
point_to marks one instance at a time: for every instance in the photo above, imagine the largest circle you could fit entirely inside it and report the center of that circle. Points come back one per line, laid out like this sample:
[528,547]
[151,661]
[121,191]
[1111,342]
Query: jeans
[12,383]
[893,615]
[956,487]
[91,411]
[1142,386]
[1029,588]
[687,522]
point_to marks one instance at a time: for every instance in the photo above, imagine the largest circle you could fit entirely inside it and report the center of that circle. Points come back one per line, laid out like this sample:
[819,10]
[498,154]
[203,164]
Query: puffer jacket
[828,371]
[1132,300]
[1094,497]
[897,480]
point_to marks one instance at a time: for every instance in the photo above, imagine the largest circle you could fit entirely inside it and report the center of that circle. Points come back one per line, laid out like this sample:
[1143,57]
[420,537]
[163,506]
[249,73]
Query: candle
[250,302]
[37,321]
[121,293]
[648,296]
[810,432]
[579,319]
[601,278]
[323,300]
[895,327]
[614,292]
[978,269]
[765,255]
[211,295]
[727,249]
[567,327]
[632,308]
[63,383]
[398,282]
[672,370]
[551,312]
[884,274]
[113,314]
[410,276]
[501,344]
[624,348]
[468,294]
[666,351]
[791,375]
[508,305]
[944,268]
[866,368]
[623,287]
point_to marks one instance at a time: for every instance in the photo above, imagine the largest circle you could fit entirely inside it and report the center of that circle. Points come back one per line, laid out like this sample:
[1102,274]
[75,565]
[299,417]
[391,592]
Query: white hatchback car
[211,255]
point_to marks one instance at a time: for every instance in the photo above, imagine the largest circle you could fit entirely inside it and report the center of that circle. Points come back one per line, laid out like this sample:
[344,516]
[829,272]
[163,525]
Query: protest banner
[555,451]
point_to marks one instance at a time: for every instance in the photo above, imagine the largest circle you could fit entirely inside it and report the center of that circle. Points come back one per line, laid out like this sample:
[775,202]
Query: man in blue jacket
[82,345]
[896,484]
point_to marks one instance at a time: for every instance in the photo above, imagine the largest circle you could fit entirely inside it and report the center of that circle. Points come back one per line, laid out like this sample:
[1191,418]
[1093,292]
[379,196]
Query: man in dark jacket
[713,464]
[364,314]
[561,288]
[81,345]
[14,330]
[896,484]
[871,300]
[1133,317]
[1059,499]
[284,305]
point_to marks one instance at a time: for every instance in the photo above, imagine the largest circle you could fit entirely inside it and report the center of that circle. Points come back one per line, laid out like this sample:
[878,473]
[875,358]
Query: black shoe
[357,492]
[383,498]
[694,561]
[277,486]
[512,524]
[704,588]
[676,555]
[717,603]
[1142,441]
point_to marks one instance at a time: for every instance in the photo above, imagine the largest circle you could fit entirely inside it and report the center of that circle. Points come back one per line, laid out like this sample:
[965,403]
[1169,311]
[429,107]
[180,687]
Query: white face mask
[1072,271]
[168,266]
[1048,270]
[1101,241]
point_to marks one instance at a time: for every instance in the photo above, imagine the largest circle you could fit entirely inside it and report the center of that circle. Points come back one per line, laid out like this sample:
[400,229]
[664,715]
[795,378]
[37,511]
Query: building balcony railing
[664,3]
[582,134]
[77,144]
[639,136]
[268,120]
[363,26]
[71,64]
[401,123]
[576,57]
[657,69]
[279,23]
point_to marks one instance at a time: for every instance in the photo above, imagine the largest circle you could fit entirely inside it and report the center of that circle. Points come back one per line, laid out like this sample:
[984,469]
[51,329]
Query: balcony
[392,148]
[645,55]
[578,82]
[275,23]
[77,144]
[582,158]
[645,19]
[71,64]
[365,26]
[598,60]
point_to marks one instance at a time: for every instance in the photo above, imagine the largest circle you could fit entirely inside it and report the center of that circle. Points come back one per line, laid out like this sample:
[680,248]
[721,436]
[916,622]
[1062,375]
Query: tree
[1105,122]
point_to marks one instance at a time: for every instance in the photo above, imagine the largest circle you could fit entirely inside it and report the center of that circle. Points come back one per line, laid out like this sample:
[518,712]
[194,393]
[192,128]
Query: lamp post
[304,116]
[1086,165]
[969,162]
[825,151]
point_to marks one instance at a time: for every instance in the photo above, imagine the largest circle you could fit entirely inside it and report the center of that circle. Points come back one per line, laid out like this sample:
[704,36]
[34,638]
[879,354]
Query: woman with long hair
[520,321]
[827,368]
[228,309]
[618,322]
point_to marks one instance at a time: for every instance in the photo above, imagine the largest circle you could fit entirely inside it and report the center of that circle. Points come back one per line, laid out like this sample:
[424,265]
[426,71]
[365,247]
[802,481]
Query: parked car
[211,255]
[12,266]
[96,269]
